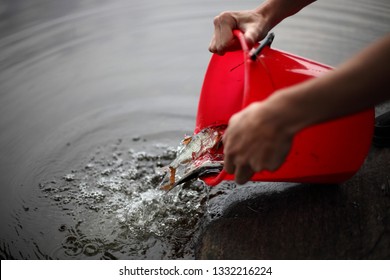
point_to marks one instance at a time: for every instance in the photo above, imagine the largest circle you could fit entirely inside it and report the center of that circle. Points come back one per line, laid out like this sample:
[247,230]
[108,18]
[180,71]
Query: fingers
[244,164]
[236,162]
[251,36]
[251,23]
[223,39]
[251,146]
[242,172]
[229,164]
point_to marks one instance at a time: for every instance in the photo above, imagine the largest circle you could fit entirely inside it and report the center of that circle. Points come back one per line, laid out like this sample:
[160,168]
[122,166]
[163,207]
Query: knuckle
[240,161]
[225,18]
[234,119]
[216,20]
[224,15]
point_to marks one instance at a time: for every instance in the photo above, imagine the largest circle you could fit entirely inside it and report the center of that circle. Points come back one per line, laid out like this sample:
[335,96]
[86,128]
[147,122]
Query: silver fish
[197,156]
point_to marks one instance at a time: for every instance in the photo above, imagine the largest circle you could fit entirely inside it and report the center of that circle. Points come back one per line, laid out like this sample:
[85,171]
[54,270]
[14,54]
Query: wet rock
[295,221]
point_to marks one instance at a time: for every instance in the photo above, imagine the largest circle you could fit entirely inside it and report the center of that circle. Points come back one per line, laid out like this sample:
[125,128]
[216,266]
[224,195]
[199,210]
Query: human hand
[257,138]
[251,23]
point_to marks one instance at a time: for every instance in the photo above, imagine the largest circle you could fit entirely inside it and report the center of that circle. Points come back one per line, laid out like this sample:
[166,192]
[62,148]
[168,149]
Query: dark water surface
[94,97]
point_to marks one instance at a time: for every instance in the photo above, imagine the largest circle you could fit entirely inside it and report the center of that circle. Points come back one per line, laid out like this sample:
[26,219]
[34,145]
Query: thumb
[250,37]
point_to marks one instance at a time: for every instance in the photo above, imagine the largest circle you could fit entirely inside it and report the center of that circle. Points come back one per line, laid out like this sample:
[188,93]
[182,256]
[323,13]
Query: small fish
[197,156]
[205,169]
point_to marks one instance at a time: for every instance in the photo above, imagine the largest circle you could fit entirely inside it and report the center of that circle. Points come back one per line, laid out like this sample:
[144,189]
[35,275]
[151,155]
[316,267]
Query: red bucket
[330,152]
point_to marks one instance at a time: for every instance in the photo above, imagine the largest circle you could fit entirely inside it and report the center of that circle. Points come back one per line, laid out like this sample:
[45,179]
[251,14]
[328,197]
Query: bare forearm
[274,11]
[360,83]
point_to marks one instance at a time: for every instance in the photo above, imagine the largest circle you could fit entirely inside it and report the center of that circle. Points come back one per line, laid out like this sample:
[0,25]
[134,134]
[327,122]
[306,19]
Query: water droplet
[69,177]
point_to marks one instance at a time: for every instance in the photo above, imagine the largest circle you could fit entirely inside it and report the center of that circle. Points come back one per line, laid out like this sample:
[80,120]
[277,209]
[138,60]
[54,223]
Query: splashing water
[118,210]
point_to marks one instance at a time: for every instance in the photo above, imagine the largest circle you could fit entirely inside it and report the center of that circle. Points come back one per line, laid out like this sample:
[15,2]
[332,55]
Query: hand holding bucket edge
[319,154]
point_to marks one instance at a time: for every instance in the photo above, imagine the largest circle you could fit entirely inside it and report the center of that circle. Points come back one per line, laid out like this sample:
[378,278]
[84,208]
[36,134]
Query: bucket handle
[249,57]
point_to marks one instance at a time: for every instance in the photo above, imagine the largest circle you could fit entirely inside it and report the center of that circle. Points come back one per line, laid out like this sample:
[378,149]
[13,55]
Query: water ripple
[118,208]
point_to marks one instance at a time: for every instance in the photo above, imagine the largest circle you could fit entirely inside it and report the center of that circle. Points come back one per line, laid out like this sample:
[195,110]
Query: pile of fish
[197,156]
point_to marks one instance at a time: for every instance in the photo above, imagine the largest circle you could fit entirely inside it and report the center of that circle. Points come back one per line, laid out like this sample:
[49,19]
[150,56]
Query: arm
[361,82]
[260,136]
[254,23]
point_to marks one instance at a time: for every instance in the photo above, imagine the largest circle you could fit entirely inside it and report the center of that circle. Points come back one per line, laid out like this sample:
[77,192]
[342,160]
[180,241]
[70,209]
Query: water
[117,210]
[95,96]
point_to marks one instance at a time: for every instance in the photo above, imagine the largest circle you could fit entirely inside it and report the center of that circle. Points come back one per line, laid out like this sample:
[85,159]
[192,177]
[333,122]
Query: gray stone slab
[302,221]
